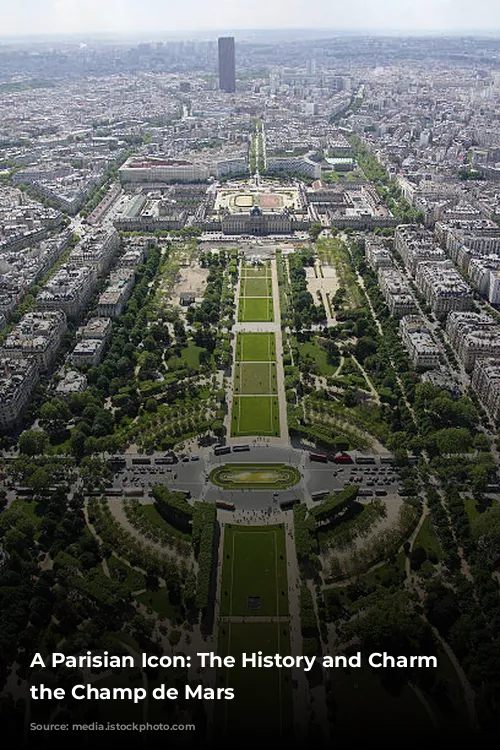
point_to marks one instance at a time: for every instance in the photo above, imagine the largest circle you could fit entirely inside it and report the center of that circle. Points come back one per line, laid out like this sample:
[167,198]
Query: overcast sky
[18,17]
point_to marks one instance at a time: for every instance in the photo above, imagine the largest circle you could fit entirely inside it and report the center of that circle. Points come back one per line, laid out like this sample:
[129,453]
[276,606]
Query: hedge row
[334,504]
[204,520]
[174,508]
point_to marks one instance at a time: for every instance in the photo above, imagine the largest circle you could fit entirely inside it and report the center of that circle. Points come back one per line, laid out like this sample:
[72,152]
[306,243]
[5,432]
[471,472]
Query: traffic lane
[251,500]
[326,477]
[192,474]
[258,454]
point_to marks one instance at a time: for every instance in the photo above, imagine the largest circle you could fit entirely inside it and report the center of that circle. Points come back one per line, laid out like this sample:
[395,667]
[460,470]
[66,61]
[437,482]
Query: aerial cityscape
[250,382]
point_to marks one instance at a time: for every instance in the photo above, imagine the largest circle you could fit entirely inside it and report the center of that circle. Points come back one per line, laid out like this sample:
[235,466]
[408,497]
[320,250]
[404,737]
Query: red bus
[342,458]
[321,457]
[223,505]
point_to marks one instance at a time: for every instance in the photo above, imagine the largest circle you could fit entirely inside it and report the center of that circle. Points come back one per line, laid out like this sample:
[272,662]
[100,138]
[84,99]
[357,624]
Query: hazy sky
[19,17]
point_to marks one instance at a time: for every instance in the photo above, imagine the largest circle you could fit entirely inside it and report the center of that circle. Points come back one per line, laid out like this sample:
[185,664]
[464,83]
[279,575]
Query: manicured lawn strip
[254,564]
[256,310]
[255,377]
[256,272]
[262,709]
[255,476]
[257,287]
[255,347]
[255,415]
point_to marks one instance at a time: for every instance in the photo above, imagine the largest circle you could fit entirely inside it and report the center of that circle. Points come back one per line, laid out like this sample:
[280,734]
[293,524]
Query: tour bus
[24,491]
[142,460]
[365,459]
[381,493]
[321,457]
[118,461]
[288,504]
[342,458]
[224,506]
[319,494]
[240,448]
[221,450]
[165,460]
[133,492]
[386,459]
[365,493]
[112,492]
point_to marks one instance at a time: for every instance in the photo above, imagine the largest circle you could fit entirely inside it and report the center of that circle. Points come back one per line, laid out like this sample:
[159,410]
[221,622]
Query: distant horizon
[139,18]
[212,34]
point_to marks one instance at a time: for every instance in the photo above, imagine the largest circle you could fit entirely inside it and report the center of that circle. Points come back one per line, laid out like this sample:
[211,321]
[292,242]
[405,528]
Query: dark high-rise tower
[227,68]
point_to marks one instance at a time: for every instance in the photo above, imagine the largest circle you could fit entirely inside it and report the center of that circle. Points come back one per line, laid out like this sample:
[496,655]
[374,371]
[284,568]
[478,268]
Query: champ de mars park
[268,499]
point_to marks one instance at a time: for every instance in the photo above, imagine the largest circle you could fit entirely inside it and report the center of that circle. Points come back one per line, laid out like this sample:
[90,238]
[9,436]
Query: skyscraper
[227,71]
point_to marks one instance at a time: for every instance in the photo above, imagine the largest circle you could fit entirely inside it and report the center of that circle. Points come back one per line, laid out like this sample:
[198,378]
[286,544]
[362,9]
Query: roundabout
[265,476]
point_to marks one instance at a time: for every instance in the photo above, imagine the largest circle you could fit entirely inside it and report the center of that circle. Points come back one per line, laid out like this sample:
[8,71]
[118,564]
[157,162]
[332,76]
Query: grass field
[159,602]
[190,356]
[318,356]
[256,272]
[254,565]
[255,415]
[256,347]
[255,377]
[427,539]
[262,710]
[470,506]
[255,310]
[255,476]
[260,287]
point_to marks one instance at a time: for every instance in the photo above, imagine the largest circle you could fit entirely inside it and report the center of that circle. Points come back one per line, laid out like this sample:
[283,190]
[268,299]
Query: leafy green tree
[39,480]
[33,442]
[315,230]
[486,532]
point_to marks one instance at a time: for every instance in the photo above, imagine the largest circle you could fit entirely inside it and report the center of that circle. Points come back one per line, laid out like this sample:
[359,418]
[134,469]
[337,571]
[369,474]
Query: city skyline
[68,17]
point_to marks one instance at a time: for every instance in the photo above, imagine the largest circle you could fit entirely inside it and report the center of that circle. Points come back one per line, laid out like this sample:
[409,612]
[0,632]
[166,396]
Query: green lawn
[255,347]
[427,539]
[30,508]
[254,565]
[255,310]
[260,287]
[190,356]
[319,356]
[471,508]
[256,272]
[262,709]
[255,415]
[255,377]
[159,602]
